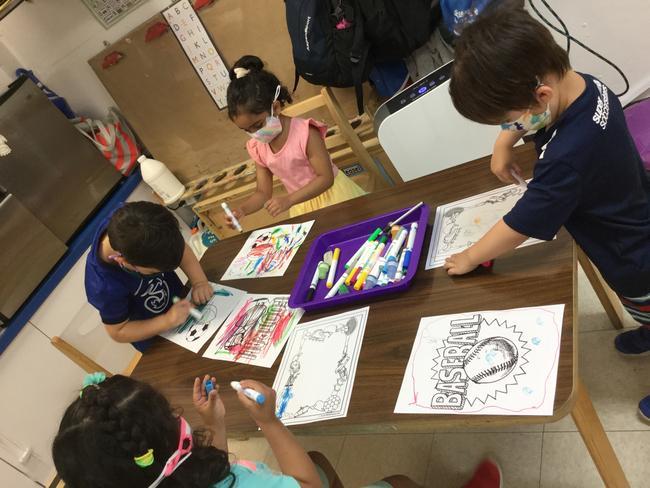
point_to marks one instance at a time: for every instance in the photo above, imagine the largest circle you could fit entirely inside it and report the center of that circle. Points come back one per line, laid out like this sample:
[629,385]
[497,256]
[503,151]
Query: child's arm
[256,201]
[501,162]
[291,456]
[139,330]
[320,161]
[201,287]
[211,410]
[497,241]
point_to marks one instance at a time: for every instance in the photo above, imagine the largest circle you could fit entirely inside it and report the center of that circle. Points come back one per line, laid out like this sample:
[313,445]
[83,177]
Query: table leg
[606,295]
[596,440]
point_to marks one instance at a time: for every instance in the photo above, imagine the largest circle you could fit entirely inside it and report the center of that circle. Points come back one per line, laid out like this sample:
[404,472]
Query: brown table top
[536,275]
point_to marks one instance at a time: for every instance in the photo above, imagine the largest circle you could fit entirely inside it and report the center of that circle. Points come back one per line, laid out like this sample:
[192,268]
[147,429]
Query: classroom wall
[63,35]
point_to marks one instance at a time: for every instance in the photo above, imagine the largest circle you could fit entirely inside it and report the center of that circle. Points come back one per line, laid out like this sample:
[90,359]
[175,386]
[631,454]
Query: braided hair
[111,423]
[253,92]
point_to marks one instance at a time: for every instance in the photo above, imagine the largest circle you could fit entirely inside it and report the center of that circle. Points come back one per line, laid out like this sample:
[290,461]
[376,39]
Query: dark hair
[254,92]
[499,60]
[120,419]
[147,235]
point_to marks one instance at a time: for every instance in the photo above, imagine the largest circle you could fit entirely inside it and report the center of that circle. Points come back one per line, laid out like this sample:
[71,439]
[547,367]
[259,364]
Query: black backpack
[336,42]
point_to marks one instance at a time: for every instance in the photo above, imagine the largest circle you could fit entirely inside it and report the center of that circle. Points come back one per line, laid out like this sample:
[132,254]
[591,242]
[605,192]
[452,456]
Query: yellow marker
[332,272]
[361,279]
[394,230]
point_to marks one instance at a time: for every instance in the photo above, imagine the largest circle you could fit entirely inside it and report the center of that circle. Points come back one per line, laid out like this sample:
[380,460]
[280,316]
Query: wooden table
[537,275]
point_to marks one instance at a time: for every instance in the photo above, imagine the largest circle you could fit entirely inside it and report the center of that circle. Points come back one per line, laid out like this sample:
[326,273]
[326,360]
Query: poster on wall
[199,49]
[109,12]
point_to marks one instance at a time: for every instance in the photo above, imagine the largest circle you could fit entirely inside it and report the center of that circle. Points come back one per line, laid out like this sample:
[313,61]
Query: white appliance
[422,132]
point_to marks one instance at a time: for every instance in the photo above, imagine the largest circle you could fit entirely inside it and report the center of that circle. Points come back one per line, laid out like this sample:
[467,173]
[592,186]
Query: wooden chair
[87,364]
[347,141]
[326,469]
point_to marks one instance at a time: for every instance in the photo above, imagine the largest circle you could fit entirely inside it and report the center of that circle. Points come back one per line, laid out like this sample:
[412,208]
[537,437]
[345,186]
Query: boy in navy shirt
[589,177]
[130,274]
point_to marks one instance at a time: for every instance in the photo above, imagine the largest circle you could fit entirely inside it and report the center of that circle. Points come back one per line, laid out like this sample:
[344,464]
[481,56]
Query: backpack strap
[359,57]
[296,79]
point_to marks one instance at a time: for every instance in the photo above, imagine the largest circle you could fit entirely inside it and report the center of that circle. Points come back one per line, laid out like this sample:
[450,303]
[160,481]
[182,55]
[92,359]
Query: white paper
[460,224]
[193,333]
[256,331]
[484,363]
[316,376]
[200,50]
[268,252]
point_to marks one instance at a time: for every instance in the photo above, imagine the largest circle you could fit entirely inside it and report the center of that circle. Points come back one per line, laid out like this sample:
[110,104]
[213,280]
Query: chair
[348,142]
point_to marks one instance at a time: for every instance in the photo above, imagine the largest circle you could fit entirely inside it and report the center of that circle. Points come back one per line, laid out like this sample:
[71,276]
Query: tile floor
[549,456]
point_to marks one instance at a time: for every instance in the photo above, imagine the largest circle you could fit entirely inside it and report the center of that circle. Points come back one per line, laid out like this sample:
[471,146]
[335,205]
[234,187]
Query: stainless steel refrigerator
[50,184]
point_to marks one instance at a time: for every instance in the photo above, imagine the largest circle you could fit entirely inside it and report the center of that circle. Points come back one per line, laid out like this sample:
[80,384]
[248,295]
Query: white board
[497,362]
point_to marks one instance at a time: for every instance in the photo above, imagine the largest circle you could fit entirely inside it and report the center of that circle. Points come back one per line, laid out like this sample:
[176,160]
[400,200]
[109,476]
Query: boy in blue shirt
[589,177]
[130,274]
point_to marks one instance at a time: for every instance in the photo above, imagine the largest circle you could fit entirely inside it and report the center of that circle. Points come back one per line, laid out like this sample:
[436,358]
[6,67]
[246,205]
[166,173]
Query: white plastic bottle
[161,180]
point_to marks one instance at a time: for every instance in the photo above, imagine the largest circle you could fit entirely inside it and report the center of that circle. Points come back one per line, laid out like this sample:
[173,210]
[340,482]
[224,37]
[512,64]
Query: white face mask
[273,126]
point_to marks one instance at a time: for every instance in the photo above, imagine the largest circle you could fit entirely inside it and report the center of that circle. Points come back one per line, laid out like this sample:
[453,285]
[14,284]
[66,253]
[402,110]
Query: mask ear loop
[277,94]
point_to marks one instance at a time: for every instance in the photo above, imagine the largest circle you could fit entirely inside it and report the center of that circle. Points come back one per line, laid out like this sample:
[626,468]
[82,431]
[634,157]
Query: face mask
[529,121]
[273,126]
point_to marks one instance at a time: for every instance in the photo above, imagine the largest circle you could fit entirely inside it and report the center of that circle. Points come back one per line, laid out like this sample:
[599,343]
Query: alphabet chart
[199,48]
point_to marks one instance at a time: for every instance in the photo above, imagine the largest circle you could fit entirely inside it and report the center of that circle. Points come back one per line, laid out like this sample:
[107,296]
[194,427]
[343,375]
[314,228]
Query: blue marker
[408,250]
[256,396]
[390,268]
[209,386]
[287,395]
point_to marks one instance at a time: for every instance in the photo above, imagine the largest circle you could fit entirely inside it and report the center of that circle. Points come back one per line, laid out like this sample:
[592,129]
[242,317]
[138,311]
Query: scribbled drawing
[459,225]
[268,252]
[194,333]
[316,376]
[256,331]
[490,362]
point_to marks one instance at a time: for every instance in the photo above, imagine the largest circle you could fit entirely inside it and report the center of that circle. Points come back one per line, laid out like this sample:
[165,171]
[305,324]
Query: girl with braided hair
[123,433]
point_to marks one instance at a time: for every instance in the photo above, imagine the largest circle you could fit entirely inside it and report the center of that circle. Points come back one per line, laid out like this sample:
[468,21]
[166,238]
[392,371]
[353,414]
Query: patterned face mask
[529,121]
[273,126]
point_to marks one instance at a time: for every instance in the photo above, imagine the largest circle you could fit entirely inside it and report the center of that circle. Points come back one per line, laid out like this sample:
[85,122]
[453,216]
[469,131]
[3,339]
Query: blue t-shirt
[250,474]
[589,177]
[120,295]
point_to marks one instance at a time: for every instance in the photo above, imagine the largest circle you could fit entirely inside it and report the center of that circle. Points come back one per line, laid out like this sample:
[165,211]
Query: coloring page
[256,331]
[500,362]
[316,376]
[193,333]
[462,223]
[268,252]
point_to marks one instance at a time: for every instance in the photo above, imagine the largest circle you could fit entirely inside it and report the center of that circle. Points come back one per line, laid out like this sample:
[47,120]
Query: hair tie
[241,72]
[93,379]
[145,460]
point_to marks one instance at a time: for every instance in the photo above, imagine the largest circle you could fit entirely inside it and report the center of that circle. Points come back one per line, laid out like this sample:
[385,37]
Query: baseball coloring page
[499,362]
[316,375]
[460,224]
[193,333]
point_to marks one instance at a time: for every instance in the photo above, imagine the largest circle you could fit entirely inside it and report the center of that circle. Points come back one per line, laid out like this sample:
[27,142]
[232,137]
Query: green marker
[372,238]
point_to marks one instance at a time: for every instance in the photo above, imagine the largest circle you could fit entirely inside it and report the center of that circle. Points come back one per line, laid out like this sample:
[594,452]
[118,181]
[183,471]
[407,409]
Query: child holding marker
[122,432]
[293,149]
[130,274]
[588,178]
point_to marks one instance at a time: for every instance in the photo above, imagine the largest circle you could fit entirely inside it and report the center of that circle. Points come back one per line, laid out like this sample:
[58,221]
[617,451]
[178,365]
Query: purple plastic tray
[349,239]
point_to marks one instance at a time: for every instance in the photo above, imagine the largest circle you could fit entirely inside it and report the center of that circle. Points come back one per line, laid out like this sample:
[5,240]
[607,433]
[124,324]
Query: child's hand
[210,407]
[238,213]
[276,205]
[459,264]
[178,313]
[502,164]
[262,414]
[201,292]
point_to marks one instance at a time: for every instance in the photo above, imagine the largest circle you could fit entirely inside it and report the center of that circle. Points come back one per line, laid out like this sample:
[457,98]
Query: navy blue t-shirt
[120,295]
[589,177]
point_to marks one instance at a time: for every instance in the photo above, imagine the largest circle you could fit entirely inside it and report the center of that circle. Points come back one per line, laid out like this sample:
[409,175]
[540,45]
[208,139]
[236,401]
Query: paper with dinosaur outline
[500,362]
[460,224]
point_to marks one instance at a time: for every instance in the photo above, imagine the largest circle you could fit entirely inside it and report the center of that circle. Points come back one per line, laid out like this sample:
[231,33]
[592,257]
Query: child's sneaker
[644,408]
[487,475]
[634,342]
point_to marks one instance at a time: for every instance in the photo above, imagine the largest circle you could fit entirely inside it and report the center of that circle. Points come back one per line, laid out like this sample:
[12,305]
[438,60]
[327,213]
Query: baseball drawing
[490,360]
